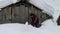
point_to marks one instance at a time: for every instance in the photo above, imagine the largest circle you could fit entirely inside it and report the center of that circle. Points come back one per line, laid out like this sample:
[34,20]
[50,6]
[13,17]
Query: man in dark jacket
[35,21]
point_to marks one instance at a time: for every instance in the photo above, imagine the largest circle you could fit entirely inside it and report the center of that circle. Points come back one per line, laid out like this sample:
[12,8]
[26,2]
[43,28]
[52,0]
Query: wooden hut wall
[15,14]
[7,15]
[35,11]
[38,12]
[20,14]
[1,16]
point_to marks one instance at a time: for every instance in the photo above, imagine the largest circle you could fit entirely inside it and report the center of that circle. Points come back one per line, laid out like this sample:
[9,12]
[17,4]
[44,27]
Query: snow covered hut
[19,13]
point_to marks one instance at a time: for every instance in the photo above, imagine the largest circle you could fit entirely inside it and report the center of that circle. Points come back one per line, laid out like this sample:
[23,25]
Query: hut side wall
[20,14]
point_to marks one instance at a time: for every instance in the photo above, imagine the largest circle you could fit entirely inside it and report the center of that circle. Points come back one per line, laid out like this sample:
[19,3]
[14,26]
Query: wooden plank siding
[19,13]
[1,16]
[7,15]
[42,16]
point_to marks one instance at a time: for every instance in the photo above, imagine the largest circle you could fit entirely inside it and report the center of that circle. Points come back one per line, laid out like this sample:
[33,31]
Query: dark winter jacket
[35,21]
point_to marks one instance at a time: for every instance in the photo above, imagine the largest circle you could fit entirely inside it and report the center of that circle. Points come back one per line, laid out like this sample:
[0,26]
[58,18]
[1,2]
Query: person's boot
[39,25]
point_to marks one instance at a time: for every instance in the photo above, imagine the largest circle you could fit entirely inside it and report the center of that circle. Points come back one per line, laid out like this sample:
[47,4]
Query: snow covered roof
[4,3]
[44,4]
[49,6]
[38,3]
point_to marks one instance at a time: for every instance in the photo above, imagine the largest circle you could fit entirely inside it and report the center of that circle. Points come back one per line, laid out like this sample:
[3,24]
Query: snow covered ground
[48,27]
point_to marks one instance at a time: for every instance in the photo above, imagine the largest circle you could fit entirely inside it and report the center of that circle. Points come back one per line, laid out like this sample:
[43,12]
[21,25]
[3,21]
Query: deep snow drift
[48,27]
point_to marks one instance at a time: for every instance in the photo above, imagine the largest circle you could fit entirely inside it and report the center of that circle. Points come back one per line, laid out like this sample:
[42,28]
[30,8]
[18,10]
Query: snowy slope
[20,29]
[48,27]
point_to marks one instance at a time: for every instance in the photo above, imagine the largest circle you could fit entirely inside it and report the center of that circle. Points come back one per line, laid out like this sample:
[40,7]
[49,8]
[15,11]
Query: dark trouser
[34,24]
[58,23]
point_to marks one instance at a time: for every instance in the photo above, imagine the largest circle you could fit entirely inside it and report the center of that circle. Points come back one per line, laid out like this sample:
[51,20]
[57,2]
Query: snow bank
[51,26]
[21,29]
[48,27]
